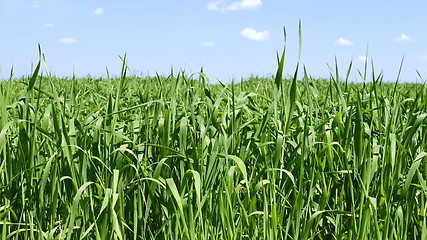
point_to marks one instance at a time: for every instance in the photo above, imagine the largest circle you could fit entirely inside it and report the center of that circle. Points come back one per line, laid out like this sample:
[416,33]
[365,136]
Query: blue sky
[229,38]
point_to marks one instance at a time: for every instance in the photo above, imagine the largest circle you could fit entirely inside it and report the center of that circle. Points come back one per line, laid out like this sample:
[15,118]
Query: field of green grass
[174,157]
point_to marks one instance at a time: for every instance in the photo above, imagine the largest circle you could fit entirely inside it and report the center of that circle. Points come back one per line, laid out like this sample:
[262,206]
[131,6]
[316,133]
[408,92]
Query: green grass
[178,158]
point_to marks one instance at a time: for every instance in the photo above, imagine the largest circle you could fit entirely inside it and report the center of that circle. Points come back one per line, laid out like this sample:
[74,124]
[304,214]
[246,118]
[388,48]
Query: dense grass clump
[178,158]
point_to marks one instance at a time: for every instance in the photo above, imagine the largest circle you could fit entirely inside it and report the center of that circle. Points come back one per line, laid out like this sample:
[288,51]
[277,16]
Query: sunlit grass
[178,158]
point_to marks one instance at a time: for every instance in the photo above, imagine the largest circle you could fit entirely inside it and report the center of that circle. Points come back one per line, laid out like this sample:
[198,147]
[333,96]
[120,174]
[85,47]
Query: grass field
[178,158]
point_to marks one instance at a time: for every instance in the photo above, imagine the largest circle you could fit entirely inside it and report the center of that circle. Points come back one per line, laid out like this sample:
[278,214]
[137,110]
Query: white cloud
[207,44]
[422,57]
[34,6]
[252,34]
[67,40]
[404,38]
[49,25]
[244,5]
[240,5]
[361,59]
[344,42]
[213,6]
[98,11]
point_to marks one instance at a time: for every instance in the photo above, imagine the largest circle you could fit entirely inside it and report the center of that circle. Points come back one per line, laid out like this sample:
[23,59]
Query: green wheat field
[175,157]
